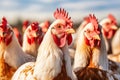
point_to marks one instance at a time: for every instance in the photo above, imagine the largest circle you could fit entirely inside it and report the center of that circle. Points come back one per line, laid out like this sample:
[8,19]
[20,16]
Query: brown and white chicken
[90,49]
[32,38]
[53,60]
[12,55]
[109,27]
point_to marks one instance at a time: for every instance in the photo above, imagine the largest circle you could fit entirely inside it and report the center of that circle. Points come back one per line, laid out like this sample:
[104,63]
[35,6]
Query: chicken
[109,27]
[44,26]
[90,49]
[18,35]
[32,38]
[53,60]
[12,55]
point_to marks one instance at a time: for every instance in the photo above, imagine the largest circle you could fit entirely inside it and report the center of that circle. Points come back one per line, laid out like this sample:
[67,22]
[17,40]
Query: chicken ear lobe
[30,41]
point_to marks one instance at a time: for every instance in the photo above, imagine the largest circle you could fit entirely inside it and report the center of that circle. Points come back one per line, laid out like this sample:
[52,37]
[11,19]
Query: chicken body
[87,55]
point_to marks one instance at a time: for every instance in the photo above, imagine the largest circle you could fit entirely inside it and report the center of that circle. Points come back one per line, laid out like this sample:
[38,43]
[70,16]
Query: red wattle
[111,33]
[69,39]
[30,41]
[61,41]
[92,42]
[8,39]
[39,40]
[87,41]
[56,40]
[0,39]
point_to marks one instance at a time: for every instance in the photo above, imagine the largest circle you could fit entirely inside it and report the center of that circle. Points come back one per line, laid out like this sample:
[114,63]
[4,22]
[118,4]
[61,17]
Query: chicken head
[92,32]
[5,32]
[62,28]
[109,26]
[34,33]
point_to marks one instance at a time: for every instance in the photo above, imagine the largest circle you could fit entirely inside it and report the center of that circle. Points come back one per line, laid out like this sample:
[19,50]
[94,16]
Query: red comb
[4,24]
[34,25]
[112,18]
[62,14]
[87,19]
[26,23]
[93,20]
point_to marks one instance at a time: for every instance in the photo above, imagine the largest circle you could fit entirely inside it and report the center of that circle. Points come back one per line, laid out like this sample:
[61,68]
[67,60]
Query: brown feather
[6,71]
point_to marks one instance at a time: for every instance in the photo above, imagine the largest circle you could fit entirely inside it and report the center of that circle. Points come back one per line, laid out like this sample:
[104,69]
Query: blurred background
[16,11]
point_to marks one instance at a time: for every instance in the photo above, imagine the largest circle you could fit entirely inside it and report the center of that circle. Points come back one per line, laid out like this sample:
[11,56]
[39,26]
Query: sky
[43,9]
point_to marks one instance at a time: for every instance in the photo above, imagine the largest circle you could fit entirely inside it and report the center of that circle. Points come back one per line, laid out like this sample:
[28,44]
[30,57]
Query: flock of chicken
[48,51]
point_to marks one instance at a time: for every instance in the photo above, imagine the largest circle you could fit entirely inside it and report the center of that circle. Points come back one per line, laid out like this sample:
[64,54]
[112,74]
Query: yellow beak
[70,31]
[44,29]
[97,37]
[114,27]
[35,34]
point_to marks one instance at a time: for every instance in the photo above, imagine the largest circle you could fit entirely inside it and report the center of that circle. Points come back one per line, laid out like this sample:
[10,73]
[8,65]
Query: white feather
[14,55]
[27,48]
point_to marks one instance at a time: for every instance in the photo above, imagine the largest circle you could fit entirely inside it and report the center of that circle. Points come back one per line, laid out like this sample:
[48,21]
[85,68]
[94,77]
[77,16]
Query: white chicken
[12,55]
[53,60]
[109,27]
[32,38]
[91,50]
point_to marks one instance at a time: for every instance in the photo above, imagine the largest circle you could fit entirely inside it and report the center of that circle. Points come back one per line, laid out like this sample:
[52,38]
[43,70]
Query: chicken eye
[88,31]
[107,23]
[29,30]
[59,26]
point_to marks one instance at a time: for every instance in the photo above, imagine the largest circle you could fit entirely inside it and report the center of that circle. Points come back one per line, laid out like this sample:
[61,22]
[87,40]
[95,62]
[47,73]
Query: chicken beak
[44,30]
[35,34]
[70,31]
[114,27]
[2,34]
[97,37]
